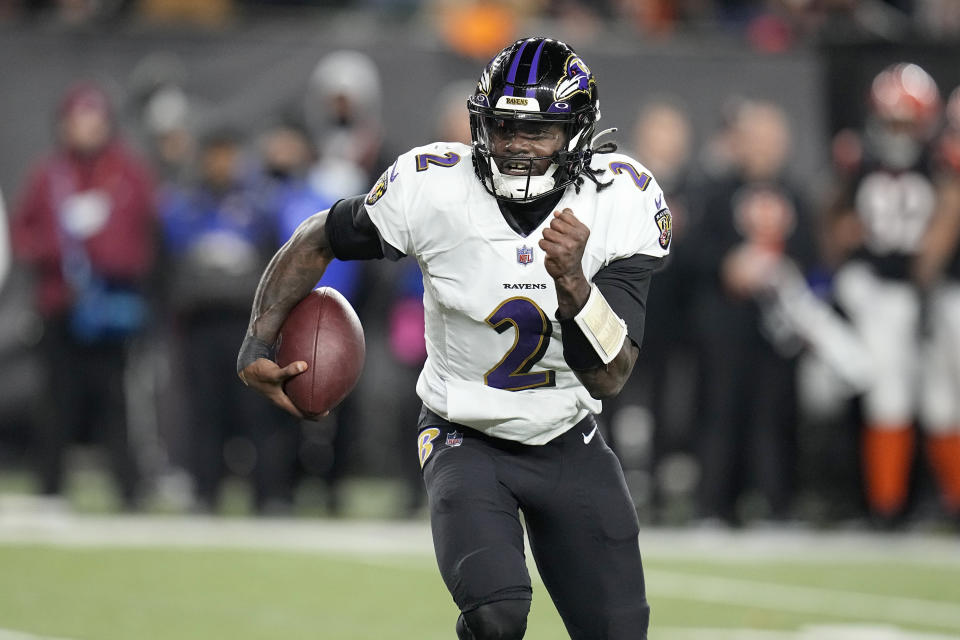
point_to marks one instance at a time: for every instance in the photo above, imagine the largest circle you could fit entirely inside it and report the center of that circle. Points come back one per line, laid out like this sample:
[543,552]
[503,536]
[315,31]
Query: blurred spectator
[84,223]
[663,142]
[717,157]
[343,112]
[876,228]
[164,114]
[217,242]
[282,187]
[754,224]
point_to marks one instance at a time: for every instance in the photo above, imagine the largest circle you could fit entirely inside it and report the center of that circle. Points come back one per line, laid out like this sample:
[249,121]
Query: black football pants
[579,517]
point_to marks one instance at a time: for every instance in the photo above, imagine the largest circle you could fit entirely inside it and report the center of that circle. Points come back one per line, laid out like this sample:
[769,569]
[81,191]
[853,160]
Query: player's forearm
[291,274]
[583,354]
[572,294]
[606,381]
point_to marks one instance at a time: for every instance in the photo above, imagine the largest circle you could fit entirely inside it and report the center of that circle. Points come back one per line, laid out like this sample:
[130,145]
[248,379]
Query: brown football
[324,331]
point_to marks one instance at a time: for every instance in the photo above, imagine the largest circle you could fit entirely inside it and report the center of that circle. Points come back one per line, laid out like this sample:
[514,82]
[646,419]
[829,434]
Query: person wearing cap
[84,224]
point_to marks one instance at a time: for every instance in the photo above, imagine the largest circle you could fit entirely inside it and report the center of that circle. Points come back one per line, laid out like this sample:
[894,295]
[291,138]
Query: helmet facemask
[523,176]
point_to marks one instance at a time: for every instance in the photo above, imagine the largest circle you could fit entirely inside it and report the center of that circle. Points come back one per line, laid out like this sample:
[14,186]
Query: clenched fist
[563,242]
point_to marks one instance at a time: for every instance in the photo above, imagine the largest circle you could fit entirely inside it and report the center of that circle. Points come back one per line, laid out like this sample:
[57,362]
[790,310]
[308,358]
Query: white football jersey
[494,351]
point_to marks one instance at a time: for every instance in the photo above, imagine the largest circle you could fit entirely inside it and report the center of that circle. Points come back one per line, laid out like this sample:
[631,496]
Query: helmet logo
[578,79]
[483,86]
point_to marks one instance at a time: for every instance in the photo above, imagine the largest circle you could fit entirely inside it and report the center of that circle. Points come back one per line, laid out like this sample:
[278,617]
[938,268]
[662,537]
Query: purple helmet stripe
[512,76]
[532,76]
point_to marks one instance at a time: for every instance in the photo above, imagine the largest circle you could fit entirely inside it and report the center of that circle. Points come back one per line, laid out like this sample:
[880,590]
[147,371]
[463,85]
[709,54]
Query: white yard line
[811,600]
[799,545]
[716,545]
[9,634]
[378,537]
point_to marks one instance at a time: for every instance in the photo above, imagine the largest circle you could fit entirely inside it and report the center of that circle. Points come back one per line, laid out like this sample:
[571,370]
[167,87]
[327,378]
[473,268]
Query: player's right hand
[267,377]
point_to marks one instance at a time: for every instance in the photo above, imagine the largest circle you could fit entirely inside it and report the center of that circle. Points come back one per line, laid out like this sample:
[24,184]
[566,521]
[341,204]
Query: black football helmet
[534,80]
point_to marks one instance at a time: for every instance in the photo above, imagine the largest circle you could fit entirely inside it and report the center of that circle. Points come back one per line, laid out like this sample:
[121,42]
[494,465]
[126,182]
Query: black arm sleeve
[625,284]
[353,236]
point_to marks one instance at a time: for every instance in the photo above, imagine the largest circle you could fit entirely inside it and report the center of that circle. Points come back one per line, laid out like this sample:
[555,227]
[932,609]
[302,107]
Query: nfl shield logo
[525,255]
[454,439]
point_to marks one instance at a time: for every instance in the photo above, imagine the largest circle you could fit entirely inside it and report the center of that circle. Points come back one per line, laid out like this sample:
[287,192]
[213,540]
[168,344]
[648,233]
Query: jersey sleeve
[389,202]
[644,224]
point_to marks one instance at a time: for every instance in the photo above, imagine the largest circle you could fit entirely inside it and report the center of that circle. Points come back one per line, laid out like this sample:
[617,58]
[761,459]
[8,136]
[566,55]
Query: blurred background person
[343,112]
[163,118]
[284,186]
[650,426]
[216,242]
[753,222]
[85,224]
[875,232]
[164,115]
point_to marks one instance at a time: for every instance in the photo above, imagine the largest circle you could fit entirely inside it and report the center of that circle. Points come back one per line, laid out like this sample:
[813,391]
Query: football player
[878,226]
[938,273]
[537,245]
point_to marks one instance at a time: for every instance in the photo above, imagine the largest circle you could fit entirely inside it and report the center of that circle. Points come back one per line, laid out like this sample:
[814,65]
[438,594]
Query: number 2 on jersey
[532,331]
[642,180]
[449,159]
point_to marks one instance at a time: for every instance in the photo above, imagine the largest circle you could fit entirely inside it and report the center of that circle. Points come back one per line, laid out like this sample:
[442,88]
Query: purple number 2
[532,336]
[642,180]
[449,159]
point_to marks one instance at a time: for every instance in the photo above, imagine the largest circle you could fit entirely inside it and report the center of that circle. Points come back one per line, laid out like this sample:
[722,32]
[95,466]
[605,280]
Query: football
[324,331]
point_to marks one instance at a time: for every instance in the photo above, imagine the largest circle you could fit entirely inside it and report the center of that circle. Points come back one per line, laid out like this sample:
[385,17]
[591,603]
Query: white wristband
[603,328]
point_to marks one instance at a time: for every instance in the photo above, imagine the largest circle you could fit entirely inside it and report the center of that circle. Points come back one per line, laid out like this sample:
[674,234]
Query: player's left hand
[563,242]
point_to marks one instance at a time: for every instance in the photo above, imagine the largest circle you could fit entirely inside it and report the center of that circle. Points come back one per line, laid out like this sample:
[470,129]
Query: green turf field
[84,578]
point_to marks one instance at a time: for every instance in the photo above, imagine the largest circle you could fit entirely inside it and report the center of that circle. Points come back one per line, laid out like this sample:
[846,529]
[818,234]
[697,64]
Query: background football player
[938,273]
[876,229]
[536,254]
